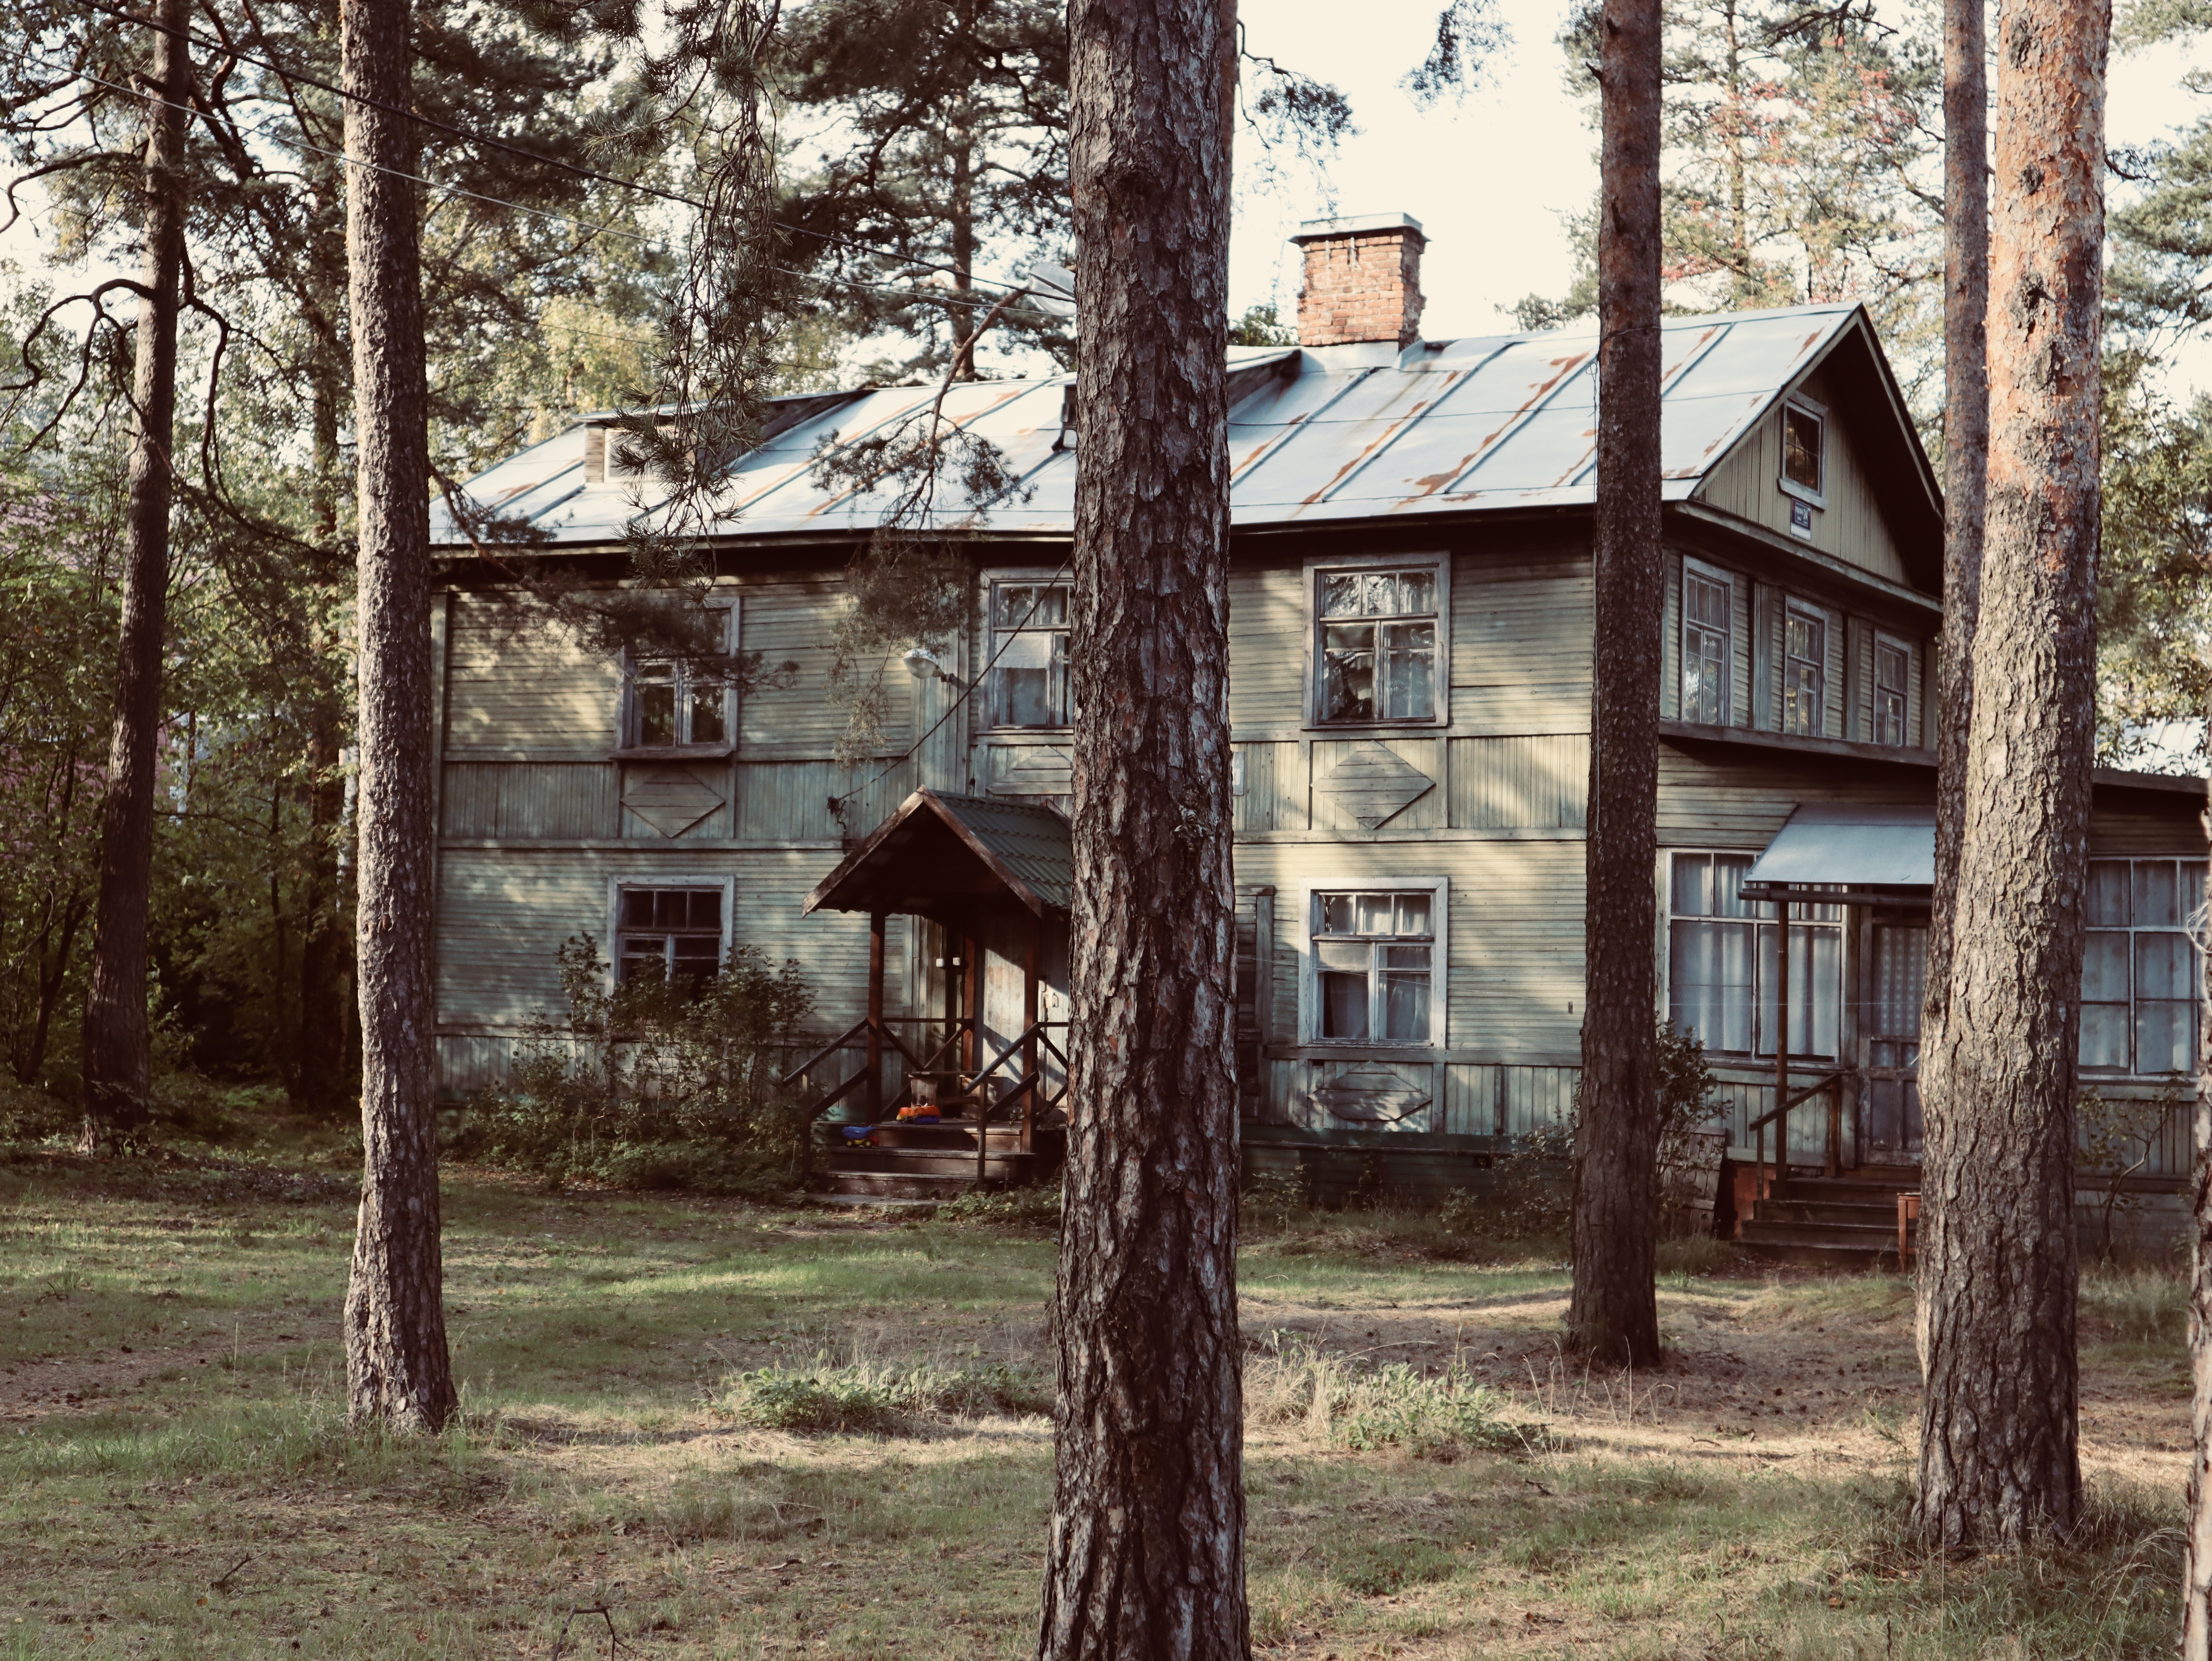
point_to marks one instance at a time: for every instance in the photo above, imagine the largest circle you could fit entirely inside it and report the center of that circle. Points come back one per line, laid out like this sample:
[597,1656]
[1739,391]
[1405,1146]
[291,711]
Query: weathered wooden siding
[1267,627]
[1742,803]
[1520,633]
[529,802]
[1851,527]
[790,623]
[2146,832]
[1274,796]
[1540,782]
[523,687]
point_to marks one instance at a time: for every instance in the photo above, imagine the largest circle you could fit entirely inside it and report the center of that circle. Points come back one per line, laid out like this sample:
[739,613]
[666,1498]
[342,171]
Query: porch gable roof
[940,856]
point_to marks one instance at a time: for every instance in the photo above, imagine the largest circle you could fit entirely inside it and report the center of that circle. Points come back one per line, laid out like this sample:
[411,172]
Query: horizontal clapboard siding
[791,626]
[1267,628]
[521,681]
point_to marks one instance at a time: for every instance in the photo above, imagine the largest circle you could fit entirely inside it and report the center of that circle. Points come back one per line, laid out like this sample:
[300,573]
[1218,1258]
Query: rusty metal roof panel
[1341,433]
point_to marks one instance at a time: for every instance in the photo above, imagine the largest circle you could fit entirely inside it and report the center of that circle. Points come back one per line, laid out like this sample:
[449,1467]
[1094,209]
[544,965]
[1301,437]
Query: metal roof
[1865,849]
[907,864]
[1318,436]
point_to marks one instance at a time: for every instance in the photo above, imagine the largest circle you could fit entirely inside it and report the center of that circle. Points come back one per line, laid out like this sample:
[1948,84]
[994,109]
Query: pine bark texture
[117,1061]
[2197,1572]
[1999,1460]
[1966,454]
[397,1366]
[1613,1313]
[1146,1557]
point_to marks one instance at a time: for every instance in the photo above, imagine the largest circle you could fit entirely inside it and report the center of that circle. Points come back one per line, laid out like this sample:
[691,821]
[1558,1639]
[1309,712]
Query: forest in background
[1804,164]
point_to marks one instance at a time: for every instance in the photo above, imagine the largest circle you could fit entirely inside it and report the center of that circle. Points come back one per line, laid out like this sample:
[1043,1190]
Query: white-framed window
[675,928]
[1722,973]
[1376,960]
[2140,969]
[1708,643]
[1028,653]
[1893,684]
[1380,653]
[1804,669]
[672,702]
[1805,450]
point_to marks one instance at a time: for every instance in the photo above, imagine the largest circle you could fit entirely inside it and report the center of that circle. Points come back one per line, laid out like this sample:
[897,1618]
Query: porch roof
[944,857]
[1857,853]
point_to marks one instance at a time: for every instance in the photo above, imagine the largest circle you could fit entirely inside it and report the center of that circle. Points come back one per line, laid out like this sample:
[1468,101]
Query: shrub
[653,1084]
[1036,1206]
[860,1399]
[1341,1403]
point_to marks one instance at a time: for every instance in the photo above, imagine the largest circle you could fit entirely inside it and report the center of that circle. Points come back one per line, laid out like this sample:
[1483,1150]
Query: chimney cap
[1320,230]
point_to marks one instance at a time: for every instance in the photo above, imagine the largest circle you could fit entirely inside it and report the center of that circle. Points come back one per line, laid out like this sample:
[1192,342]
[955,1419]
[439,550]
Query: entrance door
[1896,974]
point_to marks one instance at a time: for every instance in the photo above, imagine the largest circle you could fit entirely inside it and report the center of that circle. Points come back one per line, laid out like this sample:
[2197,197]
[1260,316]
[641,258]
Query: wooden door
[1889,1105]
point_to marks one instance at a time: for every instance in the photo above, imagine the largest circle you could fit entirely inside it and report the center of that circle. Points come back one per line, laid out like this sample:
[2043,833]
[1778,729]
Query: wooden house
[1410,660]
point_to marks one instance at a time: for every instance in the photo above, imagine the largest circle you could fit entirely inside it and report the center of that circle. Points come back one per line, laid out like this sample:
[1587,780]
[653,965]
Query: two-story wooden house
[1410,646]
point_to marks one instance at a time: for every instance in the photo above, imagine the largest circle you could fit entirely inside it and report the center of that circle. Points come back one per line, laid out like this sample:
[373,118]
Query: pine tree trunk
[2196,1572]
[116,1058]
[1999,1462]
[1965,454]
[1614,1312]
[1145,1558]
[397,1366]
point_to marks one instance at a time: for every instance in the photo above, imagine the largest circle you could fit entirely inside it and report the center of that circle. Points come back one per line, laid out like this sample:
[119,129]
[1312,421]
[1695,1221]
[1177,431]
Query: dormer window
[1804,452]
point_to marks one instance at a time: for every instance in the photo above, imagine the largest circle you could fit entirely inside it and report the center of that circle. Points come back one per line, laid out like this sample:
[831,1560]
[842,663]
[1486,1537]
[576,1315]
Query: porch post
[971,997]
[1030,953]
[875,1016]
[1781,1049]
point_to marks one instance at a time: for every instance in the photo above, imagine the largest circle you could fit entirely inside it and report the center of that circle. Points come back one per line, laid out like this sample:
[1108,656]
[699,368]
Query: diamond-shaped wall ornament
[670,799]
[1374,784]
[1372,1095]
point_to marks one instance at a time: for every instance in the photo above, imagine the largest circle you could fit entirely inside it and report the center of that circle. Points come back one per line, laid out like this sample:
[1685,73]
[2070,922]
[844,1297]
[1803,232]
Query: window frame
[1904,739]
[1041,577]
[1797,402]
[1812,612]
[1726,581]
[627,734]
[2187,929]
[1764,918]
[1318,567]
[618,886]
[1438,889]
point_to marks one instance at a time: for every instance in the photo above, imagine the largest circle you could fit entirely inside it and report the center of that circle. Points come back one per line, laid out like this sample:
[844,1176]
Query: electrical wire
[538,156]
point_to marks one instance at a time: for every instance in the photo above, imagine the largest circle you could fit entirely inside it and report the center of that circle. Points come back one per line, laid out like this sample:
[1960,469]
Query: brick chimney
[1363,280]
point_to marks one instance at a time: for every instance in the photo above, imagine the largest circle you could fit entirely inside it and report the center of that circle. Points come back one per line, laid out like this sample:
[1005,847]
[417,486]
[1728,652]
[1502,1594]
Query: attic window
[1803,436]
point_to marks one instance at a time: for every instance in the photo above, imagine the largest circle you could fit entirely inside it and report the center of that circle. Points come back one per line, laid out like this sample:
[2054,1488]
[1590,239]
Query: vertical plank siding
[1538,782]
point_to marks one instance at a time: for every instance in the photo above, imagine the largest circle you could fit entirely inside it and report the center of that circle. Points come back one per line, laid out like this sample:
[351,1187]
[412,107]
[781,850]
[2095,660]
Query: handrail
[1806,1094]
[823,1054]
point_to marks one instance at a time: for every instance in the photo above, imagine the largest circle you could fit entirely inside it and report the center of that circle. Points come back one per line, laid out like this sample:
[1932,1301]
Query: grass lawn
[645,1380]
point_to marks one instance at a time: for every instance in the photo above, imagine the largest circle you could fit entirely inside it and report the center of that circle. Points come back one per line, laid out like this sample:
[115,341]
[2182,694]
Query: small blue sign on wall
[1800,520]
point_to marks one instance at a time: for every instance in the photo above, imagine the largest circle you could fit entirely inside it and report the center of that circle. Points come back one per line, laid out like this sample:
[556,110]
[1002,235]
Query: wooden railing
[1779,1116]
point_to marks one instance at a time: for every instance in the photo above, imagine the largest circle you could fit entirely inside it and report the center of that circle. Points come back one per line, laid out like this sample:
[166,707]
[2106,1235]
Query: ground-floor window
[1378,965]
[2141,968]
[1722,978]
[673,934]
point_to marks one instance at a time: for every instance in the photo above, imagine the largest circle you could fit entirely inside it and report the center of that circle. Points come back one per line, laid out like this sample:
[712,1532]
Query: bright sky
[1493,180]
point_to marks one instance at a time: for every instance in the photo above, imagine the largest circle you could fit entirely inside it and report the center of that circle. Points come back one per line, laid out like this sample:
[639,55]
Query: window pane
[1343,1006]
[1031,605]
[1413,914]
[694,950]
[1900,977]
[1405,956]
[1376,914]
[1340,596]
[1378,593]
[1708,983]
[2166,1036]
[1348,672]
[1692,877]
[1705,601]
[1728,872]
[2156,902]
[2163,963]
[1409,671]
[1406,1007]
[1335,914]
[1417,591]
[1815,989]
[656,713]
[641,957]
[706,909]
[2104,1035]
[706,706]
[2104,968]
[2108,894]
[1892,665]
[1801,448]
[1348,955]
[637,908]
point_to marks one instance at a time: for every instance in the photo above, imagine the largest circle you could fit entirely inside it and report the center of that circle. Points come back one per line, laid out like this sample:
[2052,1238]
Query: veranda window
[1893,675]
[1028,646]
[1804,670]
[672,934]
[1378,652]
[1721,968]
[1374,965]
[2141,969]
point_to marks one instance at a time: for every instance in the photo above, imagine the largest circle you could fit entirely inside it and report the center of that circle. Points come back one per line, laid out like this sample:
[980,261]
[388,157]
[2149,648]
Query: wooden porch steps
[1847,1223]
[930,1163]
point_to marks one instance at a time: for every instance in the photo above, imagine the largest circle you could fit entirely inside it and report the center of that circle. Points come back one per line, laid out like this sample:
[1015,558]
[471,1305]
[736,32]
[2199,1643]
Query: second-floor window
[2139,971]
[1706,652]
[1804,669]
[673,935]
[1028,646]
[1378,646]
[1893,679]
[671,702]
[1375,969]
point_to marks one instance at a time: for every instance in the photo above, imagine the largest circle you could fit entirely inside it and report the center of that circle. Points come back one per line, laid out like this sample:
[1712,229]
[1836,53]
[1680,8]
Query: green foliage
[653,1084]
[865,1400]
[1341,1403]
[2115,1138]
[1262,325]
[1036,1206]
[2137,1306]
